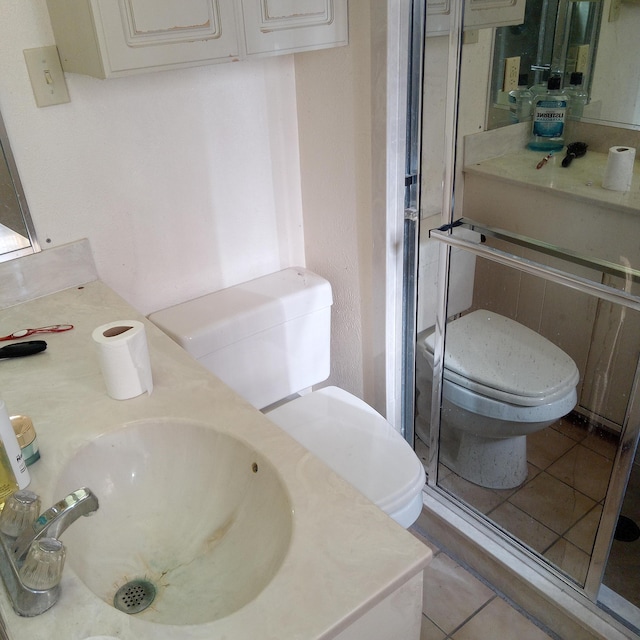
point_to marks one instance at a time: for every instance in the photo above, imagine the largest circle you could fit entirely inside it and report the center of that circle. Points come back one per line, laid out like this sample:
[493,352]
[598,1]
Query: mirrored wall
[528,315]
[17,234]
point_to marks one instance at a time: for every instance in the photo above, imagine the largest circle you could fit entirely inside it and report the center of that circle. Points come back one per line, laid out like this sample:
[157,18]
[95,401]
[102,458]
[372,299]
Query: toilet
[501,380]
[269,340]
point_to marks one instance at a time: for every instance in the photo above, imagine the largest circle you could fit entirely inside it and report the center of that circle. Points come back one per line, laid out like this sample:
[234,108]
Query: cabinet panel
[106,38]
[493,13]
[135,33]
[278,26]
[478,14]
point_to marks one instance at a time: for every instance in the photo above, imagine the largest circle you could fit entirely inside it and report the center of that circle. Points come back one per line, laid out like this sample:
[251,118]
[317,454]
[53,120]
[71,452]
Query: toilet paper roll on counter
[618,173]
[124,358]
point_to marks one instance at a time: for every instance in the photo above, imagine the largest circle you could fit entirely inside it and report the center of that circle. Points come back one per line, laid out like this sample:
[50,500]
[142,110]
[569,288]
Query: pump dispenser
[549,114]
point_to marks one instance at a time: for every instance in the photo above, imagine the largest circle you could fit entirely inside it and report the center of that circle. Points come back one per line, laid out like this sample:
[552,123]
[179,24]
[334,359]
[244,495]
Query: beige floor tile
[451,594]
[567,557]
[551,502]
[602,442]
[481,498]
[498,620]
[430,630]
[523,526]
[583,533]
[546,446]
[585,470]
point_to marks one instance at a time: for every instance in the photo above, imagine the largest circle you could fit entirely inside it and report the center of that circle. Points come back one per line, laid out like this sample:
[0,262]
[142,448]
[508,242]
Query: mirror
[17,234]
[559,37]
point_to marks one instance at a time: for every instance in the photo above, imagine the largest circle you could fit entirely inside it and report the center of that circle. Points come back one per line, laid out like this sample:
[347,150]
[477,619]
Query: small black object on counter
[574,150]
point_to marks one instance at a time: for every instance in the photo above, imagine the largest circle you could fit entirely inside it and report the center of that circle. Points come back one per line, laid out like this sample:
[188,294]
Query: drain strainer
[135,596]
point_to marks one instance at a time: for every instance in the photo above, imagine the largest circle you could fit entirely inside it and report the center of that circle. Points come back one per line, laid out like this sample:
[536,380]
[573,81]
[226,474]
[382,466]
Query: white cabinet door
[493,13]
[478,14]
[106,38]
[281,26]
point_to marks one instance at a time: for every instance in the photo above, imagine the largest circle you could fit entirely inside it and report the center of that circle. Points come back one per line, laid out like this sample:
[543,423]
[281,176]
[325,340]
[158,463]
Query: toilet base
[487,462]
[493,463]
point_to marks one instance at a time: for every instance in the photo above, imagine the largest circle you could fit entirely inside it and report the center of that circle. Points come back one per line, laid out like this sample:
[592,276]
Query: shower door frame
[631,428]
[538,575]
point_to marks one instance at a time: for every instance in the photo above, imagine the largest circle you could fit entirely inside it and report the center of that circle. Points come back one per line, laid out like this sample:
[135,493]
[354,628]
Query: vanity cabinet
[478,14]
[111,38]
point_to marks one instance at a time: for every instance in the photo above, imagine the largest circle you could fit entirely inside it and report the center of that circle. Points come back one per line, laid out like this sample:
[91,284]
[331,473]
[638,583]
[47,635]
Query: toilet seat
[498,358]
[356,442]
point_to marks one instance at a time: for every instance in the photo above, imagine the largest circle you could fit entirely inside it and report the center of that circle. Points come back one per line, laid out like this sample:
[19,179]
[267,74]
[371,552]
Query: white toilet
[269,339]
[502,381]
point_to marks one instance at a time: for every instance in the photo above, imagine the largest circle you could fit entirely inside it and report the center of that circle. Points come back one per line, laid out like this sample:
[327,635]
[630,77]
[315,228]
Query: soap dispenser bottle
[12,448]
[549,113]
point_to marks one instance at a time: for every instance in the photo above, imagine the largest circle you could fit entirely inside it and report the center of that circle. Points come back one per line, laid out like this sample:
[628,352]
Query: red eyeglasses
[23,333]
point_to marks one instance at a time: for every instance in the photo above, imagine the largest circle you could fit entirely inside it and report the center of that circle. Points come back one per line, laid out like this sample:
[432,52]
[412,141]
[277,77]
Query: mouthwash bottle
[577,96]
[549,114]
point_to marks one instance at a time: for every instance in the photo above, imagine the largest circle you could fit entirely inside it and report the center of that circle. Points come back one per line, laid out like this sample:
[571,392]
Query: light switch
[46,75]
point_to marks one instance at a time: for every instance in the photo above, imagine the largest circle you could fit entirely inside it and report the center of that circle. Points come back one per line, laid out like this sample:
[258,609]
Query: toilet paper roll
[618,173]
[124,358]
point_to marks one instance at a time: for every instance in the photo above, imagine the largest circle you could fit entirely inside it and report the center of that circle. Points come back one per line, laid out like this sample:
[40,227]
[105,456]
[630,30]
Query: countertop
[581,180]
[345,554]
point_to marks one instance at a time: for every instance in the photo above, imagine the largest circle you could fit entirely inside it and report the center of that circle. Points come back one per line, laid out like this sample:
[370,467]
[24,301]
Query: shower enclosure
[574,518]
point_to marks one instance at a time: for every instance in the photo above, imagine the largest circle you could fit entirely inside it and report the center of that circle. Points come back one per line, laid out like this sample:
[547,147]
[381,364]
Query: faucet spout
[27,601]
[53,522]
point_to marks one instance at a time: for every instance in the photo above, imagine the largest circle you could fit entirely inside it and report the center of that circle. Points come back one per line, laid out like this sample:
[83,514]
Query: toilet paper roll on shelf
[618,173]
[124,358]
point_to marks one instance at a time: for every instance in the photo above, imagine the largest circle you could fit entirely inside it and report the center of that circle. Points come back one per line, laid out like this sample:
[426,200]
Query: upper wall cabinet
[272,26]
[110,38]
[478,14]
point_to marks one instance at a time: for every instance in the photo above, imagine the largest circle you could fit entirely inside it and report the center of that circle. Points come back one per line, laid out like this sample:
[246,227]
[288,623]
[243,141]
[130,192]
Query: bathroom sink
[188,512]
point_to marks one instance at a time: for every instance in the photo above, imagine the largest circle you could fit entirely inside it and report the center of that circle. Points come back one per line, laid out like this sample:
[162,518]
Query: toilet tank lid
[224,317]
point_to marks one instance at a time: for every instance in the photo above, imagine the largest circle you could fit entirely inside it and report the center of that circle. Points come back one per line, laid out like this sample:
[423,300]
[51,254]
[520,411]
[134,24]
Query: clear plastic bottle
[11,446]
[577,96]
[520,101]
[8,482]
[549,114]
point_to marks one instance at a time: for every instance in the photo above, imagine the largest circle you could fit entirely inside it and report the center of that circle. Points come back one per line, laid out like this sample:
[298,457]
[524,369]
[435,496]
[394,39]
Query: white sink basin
[196,512]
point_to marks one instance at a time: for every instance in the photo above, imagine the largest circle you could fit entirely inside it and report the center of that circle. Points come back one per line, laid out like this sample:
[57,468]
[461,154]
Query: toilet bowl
[501,382]
[269,340]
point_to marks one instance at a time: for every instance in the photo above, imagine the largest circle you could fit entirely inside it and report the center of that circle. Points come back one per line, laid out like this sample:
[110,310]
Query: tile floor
[556,511]
[459,606]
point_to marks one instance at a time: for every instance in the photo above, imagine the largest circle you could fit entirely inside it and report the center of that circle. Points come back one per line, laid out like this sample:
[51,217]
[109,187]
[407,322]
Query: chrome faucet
[51,524]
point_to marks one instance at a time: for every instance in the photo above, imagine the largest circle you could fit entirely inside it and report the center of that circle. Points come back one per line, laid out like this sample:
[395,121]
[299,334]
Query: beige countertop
[581,180]
[345,554]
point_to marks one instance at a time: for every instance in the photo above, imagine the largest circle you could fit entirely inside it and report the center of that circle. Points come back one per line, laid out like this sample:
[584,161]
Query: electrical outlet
[582,57]
[46,75]
[511,73]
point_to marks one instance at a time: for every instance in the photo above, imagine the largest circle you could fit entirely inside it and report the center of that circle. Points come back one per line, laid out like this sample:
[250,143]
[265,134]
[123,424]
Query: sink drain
[135,596]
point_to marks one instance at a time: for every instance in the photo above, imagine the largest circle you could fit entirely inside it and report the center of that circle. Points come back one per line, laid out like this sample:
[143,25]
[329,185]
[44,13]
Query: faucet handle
[42,568]
[20,511]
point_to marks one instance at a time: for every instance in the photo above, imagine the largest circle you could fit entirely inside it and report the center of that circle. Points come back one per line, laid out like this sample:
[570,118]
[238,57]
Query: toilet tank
[461,276]
[267,338]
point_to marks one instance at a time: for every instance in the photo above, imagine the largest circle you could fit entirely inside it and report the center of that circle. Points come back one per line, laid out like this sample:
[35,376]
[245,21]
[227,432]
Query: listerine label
[548,118]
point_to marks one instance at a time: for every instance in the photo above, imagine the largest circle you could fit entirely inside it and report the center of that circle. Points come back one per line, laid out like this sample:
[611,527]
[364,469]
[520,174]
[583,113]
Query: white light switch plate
[46,75]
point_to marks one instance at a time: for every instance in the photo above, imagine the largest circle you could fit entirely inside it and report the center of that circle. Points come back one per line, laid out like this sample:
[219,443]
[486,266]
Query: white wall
[334,114]
[184,181]
[187,181]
